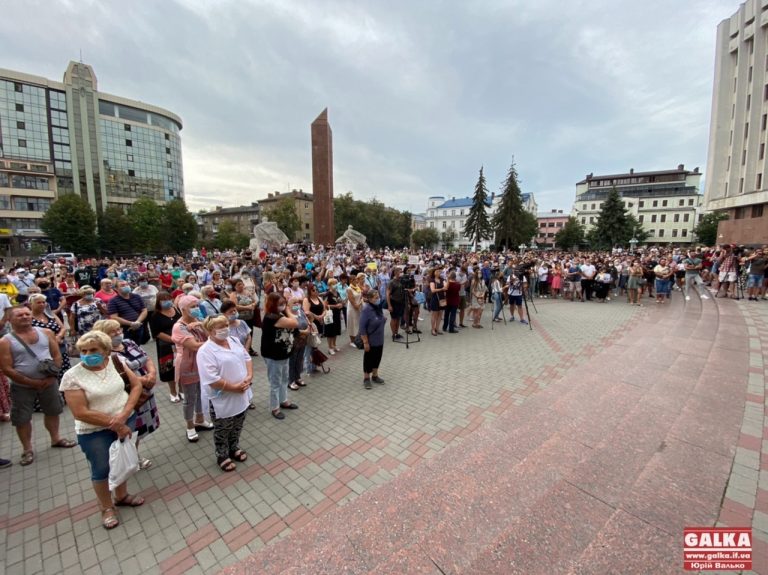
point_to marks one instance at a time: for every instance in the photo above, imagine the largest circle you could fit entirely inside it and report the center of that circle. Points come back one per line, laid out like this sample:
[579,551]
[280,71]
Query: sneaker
[523,322]
[367,384]
[688,298]
[704,297]
[5,463]
[353,346]
[204,426]
[174,398]
[397,336]
[331,352]
[377,379]
[192,436]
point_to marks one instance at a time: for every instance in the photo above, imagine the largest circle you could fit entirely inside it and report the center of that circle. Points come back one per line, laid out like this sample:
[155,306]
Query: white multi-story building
[667,203]
[446,216]
[737,165]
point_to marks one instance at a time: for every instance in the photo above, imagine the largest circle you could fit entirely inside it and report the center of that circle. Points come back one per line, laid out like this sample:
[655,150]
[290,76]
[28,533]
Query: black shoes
[377,379]
[367,384]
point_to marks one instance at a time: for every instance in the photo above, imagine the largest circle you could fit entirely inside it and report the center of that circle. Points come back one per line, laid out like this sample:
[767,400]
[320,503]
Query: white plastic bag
[123,460]
[328,317]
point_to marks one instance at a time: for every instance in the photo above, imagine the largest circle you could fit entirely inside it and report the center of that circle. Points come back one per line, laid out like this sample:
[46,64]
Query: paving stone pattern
[341,443]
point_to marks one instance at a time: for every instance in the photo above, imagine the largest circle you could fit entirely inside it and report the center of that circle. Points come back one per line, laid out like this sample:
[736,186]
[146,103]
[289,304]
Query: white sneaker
[688,298]
[331,352]
[353,346]
[704,297]
[174,398]
[192,435]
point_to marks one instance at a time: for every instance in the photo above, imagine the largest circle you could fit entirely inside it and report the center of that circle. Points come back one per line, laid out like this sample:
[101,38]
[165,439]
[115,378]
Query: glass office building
[58,138]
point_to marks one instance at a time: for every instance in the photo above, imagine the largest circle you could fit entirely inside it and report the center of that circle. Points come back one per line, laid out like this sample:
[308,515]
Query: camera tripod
[410,325]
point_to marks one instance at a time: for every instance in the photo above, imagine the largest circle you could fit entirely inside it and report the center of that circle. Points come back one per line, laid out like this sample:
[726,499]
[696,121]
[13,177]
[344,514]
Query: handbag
[328,317]
[44,366]
[145,393]
[314,338]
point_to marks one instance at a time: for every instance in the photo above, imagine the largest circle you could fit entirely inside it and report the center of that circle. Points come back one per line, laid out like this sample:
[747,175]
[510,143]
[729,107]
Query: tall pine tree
[613,227]
[512,224]
[477,227]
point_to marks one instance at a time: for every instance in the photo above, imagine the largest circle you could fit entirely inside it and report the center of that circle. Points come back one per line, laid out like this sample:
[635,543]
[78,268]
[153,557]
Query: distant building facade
[244,219]
[737,165]
[303,204]
[549,224]
[67,137]
[418,222]
[666,203]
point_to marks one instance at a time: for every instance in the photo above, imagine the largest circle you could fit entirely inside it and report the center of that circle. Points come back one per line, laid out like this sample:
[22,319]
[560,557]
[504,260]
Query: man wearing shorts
[28,383]
[727,275]
[515,287]
[756,274]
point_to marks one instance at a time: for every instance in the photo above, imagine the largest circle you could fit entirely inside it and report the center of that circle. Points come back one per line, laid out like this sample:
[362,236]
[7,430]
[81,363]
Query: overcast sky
[420,94]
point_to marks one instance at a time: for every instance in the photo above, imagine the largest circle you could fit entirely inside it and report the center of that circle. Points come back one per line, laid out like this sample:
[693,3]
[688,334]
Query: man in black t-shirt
[83,276]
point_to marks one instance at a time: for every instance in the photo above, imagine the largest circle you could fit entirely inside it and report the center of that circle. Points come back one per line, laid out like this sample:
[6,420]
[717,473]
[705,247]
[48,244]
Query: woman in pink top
[106,292]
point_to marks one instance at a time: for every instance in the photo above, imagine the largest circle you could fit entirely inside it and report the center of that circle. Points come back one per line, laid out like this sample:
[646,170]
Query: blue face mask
[234,316]
[196,313]
[92,359]
[168,304]
[125,290]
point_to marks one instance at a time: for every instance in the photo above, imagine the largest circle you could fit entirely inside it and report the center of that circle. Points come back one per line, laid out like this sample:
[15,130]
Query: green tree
[613,226]
[426,237]
[115,232]
[636,229]
[70,223]
[146,217]
[179,226]
[380,224]
[285,216]
[512,223]
[477,226]
[706,230]
[447,238]
[571,235]
[226,235]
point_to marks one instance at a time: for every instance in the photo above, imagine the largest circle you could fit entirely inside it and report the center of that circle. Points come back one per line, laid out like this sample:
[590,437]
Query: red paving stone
[585,477]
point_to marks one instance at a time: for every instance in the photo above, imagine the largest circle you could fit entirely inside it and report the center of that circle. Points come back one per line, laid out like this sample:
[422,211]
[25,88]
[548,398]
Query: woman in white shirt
[103,412]
[226,372]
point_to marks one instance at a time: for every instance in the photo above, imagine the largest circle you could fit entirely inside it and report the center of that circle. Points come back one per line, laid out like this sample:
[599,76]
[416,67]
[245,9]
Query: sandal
[289,406]
[294,386]
[227,465]
[300,383]
[27,457]
[109,518]
[64,443]
[239,455]
[130,501]
[145,463]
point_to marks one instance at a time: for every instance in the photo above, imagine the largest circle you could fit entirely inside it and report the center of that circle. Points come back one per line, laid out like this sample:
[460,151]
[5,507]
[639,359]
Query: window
[749,74]
[444,224]
[743,157]
[690,202]
[759,183]
[739,213]
[19,107]
[127,127]
[681,203]
[445,213]
[542,235]
[655,203]
[641,204]
[167,136]
[653,219]
[584,207]
[306,226]
[131,173]
[664,203]
[661,233]
[749,101]
[663,218]
[684,233]
[757,211]
[431,224]
[461,212]
[591,219]
[686,217]
[21,126]
[169,164]
[306,205]
[674,233]
[762,151]
[129,157]
[551,224]
[651,232]
[764,122]
[741,185]
[18,87]
[129,143]
[22,143]
[583,220]
[746,130]
[641,218]
[167,150]
[593,206]
[677,218]
[453,212]
[559,225]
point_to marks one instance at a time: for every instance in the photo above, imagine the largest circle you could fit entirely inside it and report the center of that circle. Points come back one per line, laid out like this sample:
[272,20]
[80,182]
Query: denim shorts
[754,281]
[96,445]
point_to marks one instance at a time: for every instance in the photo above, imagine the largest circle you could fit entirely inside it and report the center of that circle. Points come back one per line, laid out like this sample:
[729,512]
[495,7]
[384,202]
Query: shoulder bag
[145,393]
[46,367]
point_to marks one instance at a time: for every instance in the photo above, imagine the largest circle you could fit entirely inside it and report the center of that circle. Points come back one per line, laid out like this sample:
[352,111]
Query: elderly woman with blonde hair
[354,307]
[226,371]
[135,358]
[103,412]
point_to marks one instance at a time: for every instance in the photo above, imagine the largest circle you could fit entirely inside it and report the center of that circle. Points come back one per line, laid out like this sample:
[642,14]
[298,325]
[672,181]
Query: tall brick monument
[322,179]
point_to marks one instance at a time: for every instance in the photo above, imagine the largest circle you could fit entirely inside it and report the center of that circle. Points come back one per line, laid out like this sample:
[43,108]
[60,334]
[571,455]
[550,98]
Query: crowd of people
[211,314]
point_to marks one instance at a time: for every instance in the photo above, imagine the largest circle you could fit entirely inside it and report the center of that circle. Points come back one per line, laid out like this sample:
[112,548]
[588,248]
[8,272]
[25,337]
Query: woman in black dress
[161,326]
[335,304]
[314,307]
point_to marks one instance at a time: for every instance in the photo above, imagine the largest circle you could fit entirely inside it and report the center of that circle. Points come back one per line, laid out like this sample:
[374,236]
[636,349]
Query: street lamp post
[632,244]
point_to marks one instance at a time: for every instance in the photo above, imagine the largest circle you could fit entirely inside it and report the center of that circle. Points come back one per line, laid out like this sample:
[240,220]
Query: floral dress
[147,418]
[54,326]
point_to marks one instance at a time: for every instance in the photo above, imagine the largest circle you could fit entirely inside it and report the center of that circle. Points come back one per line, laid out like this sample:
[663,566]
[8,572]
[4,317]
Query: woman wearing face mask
[276,344]
[188,336]
[54,297]
[294,291]
[103,412]
[7,288]
[354,306]
[137,360]
[246,305]
[166,279]
[372,322]
[161,326]
[85,312]
[226,372]
[148,293]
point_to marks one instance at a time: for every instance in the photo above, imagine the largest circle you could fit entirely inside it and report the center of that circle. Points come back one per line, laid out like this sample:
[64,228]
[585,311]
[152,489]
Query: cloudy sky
[420,94]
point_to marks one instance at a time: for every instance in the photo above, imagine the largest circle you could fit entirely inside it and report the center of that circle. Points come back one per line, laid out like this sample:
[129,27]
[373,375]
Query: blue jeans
[96,445]
[277,374]
[497,305]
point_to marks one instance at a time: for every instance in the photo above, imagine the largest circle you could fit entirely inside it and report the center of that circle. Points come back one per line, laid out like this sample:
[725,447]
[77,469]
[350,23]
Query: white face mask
[222,333]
